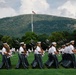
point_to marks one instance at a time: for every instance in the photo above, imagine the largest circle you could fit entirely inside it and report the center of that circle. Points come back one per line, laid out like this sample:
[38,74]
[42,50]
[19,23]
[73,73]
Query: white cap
[53,43]
[5,43]
[39,42]
[67,43]
[72,41]
[22,43]
[63,45]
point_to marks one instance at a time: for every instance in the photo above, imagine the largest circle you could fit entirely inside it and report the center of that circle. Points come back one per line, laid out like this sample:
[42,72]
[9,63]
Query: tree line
[59,37]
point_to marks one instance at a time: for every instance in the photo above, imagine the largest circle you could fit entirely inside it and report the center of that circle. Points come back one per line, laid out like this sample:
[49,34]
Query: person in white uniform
[39,52]
[6,54]
[71,51]
[52,53]
[62,53]
[34,63]
[71,48]
[66,48]
[52,50]
[62,49]
[22,52]
[26,54]
[69,58]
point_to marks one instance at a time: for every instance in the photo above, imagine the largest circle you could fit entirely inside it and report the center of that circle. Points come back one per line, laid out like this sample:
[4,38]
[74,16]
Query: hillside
[18,25]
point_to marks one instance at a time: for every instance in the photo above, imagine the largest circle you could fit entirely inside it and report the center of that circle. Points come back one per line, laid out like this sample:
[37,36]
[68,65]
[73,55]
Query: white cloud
[26,7]
[2,1]
[39,6]
[7,12]
[68,9]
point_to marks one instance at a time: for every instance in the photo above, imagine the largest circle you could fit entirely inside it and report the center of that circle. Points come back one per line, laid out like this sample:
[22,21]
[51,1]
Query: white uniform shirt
[66,49]
[37,50]
[52,50]
[21,50]
[27,54]
[62,50]
[71,47]
[3,50]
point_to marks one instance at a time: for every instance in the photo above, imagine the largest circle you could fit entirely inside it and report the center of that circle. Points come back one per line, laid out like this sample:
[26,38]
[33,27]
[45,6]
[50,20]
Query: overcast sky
[65,8]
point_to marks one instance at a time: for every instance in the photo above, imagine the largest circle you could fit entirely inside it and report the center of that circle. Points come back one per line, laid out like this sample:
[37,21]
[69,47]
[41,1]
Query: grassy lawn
[30,71]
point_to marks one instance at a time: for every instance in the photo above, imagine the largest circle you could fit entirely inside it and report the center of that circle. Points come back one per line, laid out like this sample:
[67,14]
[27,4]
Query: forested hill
[17,26]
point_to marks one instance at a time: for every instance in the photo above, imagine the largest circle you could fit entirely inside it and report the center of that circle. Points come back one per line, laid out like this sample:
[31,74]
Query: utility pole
[32,29]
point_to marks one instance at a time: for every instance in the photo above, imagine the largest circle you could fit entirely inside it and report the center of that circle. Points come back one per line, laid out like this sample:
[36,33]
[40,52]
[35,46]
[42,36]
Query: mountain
[43,24]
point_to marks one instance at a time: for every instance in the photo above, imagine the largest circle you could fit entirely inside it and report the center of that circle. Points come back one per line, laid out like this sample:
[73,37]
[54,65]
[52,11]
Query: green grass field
[30,71]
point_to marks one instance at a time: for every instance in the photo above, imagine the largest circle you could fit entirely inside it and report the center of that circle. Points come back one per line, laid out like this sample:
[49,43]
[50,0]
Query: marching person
[71,47]
[22,56]
[52,52]
[72,51]
[38,55]
[25,54]
[68,56]
[62,49]
[34,63]
[62,53]
[6,54]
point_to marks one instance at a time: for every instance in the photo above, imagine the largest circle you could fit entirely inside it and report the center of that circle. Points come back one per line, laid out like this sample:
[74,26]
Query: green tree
[56,36]
[1,37]
[7,39]
[42,37]
[68,35]
[29,36]
[74,35]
